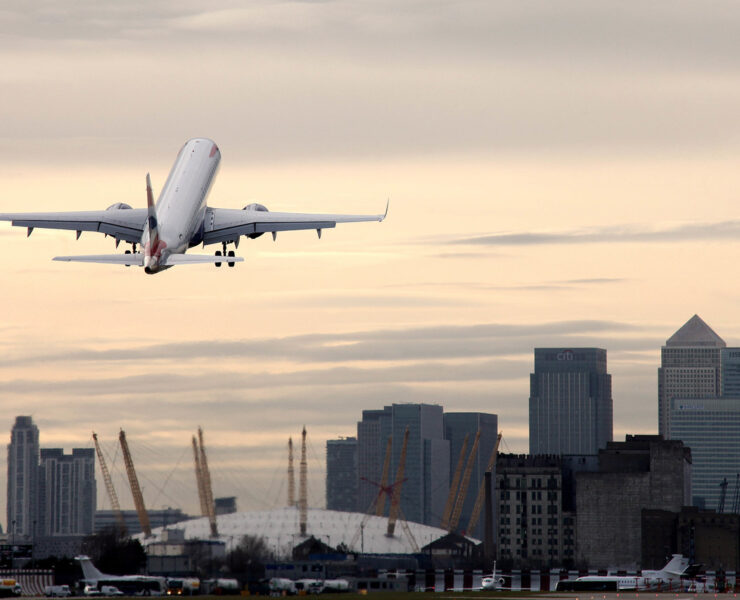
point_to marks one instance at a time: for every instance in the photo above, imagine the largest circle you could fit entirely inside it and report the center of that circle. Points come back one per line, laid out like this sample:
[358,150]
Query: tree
[247,560]
[113,552]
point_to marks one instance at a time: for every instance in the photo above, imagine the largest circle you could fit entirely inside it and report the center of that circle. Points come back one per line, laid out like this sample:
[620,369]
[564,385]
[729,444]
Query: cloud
[403,344]
[722,230]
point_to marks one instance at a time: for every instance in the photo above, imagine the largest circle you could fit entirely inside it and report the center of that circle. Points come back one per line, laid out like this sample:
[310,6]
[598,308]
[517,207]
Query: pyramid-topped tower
[689,368]
[695,332]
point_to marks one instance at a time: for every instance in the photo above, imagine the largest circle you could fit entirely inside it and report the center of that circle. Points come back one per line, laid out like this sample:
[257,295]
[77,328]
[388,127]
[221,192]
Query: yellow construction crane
[199,479]
[135,489]
[396,492]
[482,489]
[464,485]
[109,487]
[455,484]
[380,501]
[205,475]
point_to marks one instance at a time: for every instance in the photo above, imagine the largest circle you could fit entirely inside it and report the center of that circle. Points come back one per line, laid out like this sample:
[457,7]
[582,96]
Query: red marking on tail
[213,151]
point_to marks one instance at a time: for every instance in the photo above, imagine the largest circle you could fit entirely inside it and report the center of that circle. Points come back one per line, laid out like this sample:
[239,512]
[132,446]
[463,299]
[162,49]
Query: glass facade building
[426,478]
[570,402]
[711,428]
[341,474]
[458,425]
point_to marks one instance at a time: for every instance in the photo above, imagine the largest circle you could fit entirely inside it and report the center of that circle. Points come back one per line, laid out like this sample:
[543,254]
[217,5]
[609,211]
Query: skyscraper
[711,428]
[570,401]
[690,367]
[67,492]
[23,461]
[426,478]
[341,474]
[457,425]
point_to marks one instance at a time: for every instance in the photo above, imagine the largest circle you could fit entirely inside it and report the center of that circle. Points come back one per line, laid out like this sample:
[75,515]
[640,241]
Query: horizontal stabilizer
[192,259]
[116,259]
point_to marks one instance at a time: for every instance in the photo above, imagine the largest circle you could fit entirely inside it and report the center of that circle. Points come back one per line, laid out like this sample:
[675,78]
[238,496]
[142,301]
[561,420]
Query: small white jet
[668,578]
[180,219]
[493,581]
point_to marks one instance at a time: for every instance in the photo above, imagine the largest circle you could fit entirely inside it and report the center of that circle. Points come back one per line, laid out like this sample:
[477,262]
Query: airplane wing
[227,224]
[137,259]
[126,224]
[115,259]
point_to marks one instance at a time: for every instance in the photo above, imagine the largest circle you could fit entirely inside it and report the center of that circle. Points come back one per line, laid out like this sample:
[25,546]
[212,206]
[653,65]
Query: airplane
[180,219]
[132,585]
[493,581]
[669,577]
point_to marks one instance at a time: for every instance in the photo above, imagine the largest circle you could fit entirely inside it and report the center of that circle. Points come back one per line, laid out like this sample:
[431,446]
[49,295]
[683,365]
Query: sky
[559,174]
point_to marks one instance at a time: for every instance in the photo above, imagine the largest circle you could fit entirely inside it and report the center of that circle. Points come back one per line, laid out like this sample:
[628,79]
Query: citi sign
[566,355]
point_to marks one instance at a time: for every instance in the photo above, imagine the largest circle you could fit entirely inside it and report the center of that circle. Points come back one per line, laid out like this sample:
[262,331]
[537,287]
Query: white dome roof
[280,528]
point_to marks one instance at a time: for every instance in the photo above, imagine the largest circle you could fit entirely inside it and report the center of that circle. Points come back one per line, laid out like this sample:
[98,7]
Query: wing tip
[387,206]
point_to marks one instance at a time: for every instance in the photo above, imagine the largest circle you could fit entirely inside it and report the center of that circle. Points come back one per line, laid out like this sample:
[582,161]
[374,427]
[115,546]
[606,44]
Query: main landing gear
[133,245]
[230,254]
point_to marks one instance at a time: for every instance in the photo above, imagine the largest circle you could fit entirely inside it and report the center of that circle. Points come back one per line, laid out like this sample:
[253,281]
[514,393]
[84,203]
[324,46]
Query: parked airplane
[180,219]
[669,577]
[130,585]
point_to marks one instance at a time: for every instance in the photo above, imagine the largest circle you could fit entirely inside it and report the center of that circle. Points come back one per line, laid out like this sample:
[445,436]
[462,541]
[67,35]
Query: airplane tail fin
[151,221]
[89,570]
[677,565]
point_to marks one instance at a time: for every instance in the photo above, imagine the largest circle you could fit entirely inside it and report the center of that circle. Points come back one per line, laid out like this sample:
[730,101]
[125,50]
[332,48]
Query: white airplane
[132,585]
[493,581]
[667,578]
[180,219]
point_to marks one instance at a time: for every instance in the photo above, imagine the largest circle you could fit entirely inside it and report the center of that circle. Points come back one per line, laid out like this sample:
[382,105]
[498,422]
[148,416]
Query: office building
[644,472]
[711,428]
[458,426]
[23,461]
[570,403]
[730,372]
[426,477]
[690,367]
[341,474]
[67,492]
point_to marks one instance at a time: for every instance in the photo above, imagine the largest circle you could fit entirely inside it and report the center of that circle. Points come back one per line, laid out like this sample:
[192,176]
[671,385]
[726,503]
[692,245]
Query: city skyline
[559,176]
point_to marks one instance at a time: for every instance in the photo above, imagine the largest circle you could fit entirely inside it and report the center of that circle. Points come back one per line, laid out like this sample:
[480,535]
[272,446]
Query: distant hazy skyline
[560,174]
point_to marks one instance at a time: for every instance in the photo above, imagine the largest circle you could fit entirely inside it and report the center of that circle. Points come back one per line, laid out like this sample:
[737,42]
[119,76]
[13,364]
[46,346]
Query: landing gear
[225,254]
[127,252]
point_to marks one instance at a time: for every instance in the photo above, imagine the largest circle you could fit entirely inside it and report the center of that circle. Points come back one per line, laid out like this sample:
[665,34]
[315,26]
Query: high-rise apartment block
[690,367]
[341,474]
[426,477]
[50,494]
[570,401]
[23,462]
[67,494]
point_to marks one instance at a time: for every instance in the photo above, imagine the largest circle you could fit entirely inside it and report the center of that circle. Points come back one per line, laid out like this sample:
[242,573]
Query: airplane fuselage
[181,207]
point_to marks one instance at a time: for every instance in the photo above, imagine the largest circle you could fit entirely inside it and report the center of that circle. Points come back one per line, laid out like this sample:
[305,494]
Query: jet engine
[258,207]
[118,205]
